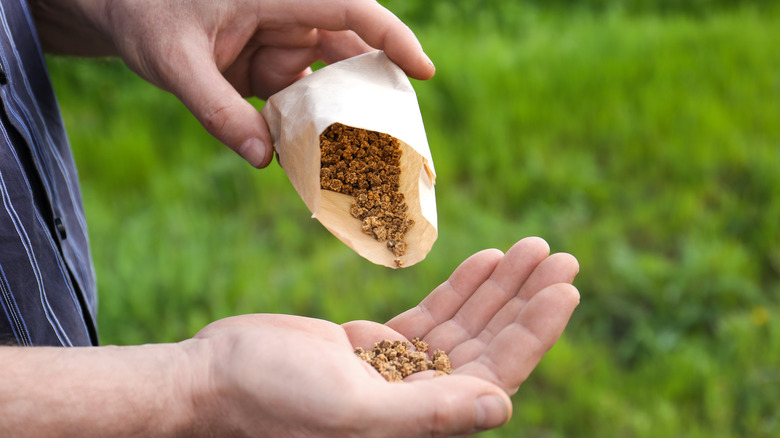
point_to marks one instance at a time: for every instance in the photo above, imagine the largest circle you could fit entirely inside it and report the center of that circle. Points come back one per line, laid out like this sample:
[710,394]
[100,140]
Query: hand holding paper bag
[367,92]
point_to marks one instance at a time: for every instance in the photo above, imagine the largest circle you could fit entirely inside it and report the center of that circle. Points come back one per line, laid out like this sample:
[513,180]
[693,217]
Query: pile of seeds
[397,359]
[366,165]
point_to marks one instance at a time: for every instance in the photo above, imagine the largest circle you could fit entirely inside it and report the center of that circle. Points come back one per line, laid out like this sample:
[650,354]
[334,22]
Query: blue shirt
[47,282]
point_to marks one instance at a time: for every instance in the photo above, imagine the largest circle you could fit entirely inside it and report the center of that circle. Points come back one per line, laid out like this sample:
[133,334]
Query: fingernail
[491,412]
[253,150]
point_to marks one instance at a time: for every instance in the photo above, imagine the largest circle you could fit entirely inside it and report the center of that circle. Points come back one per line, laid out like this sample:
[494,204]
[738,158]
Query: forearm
[95,391]
[73,27]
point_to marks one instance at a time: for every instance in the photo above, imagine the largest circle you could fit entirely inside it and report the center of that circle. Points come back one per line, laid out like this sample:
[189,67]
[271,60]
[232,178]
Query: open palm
[496,316]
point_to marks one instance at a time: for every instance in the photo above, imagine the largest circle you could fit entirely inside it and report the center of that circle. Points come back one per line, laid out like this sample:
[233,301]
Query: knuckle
[215,119]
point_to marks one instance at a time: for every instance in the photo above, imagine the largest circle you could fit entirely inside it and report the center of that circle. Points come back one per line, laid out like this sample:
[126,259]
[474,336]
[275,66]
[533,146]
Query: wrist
[202,413]
[178,406]
[151,382]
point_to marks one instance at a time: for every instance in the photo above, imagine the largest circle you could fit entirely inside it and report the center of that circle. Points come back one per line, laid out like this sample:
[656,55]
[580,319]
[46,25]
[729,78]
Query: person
[248,375]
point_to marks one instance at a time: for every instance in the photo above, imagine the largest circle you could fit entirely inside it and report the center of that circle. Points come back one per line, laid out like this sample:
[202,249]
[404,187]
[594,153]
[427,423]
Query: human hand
[281,375]
[496,316]
[211,54]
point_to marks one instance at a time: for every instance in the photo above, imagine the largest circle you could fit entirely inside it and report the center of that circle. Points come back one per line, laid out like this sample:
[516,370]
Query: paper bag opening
[370,93]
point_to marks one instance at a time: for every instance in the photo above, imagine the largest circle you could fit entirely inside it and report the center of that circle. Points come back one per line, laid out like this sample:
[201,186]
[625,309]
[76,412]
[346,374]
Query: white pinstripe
[72,192]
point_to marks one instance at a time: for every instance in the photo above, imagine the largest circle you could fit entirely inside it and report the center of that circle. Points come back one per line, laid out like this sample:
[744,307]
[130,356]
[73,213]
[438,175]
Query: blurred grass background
[641,136]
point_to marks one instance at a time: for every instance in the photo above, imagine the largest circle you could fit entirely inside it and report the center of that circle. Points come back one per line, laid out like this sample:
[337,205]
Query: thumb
[224,113]
[442,406]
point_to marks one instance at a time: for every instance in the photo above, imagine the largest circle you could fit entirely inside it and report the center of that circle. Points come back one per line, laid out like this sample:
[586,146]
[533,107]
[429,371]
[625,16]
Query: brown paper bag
[369,92]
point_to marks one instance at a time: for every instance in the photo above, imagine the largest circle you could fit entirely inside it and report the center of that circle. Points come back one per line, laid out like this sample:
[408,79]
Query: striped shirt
[47,282]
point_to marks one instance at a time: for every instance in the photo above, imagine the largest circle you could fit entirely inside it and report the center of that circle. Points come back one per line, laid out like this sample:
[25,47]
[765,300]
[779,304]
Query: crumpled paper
[370,92]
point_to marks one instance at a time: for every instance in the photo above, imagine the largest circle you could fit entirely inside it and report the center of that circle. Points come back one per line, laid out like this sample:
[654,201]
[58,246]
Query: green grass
[647,145]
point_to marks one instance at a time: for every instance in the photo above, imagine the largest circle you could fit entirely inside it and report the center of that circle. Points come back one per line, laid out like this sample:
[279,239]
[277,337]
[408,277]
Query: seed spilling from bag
[366,165]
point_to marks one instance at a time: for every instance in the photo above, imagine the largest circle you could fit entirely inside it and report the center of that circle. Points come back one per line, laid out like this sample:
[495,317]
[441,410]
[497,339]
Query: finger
[509,275]
[558,268]
[442,406]
[335,46]
[227,116]
[271,60]
[274,68]
[377,26]
[516,350]
[445,301]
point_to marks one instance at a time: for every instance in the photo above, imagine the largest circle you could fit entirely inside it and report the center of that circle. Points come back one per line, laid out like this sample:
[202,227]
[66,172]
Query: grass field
[645,143]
